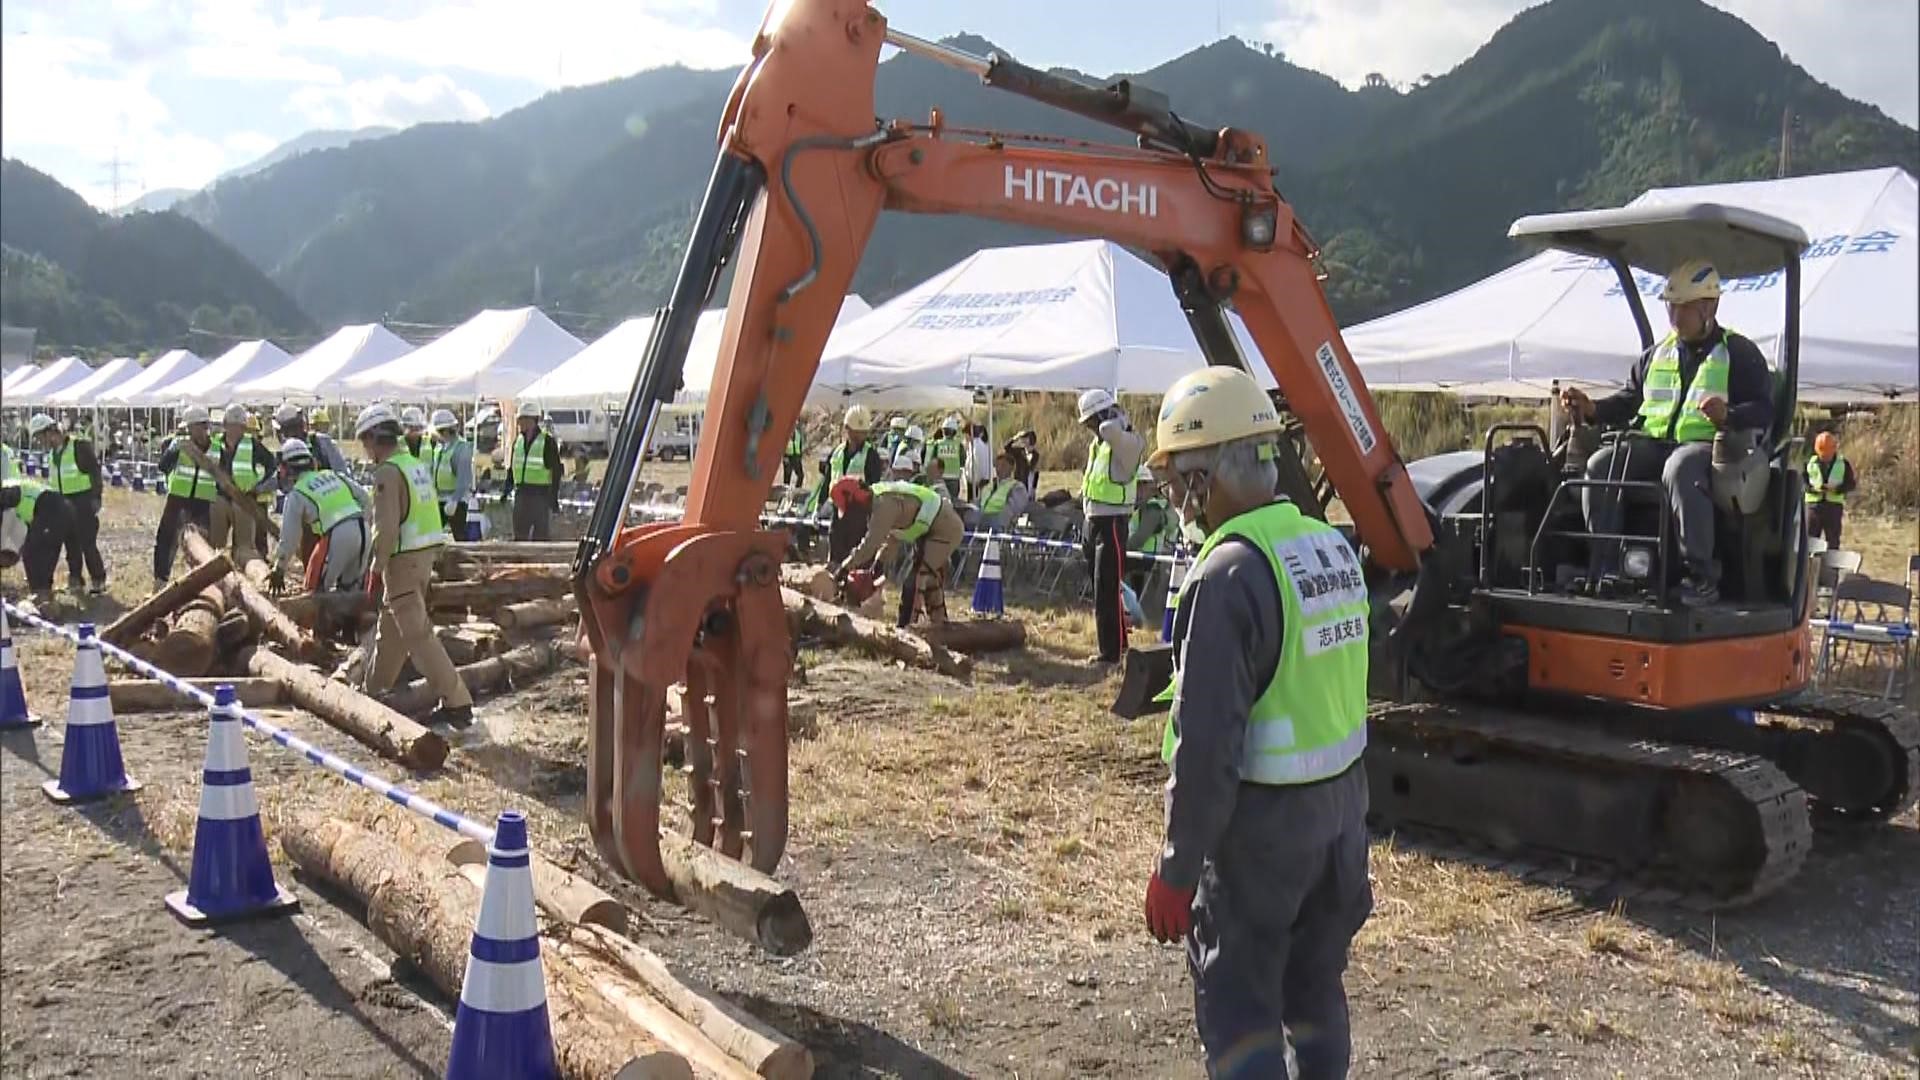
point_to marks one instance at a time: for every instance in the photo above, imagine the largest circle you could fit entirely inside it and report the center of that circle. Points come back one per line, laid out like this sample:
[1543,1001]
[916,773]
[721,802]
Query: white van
[677,434]
[581,429]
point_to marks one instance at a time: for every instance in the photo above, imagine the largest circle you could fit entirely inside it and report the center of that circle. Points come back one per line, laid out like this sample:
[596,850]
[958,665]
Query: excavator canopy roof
[1739,242]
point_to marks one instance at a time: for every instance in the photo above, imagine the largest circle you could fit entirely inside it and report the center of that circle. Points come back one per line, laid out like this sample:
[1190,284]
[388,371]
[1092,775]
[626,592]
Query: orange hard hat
[1824,444]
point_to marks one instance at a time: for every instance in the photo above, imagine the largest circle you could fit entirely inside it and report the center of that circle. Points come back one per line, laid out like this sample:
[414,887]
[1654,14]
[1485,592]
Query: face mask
[1190,525]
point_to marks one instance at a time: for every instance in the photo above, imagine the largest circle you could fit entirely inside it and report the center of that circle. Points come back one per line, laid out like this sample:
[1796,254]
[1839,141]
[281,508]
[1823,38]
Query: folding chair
[1831,567]
[1871,624]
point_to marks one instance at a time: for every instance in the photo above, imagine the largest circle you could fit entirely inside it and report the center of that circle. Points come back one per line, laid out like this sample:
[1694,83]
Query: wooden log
[471,642]
[647,1012]
[533,614]
[972,636]
[274,623]
[567,897]
[375,725]
[487,596]
[814,581]
[553,551]
[224,481]
[188,649]
[235,630]
[837,625]
[307,609]
[739,1034]
[147,695]
[483,677]
[425,912]
[735,896]
[166,601]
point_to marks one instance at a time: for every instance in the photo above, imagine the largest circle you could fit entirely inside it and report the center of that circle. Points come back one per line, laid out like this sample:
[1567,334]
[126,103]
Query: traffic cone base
[90,763]
[231,877]
[14,714]
[501,1029]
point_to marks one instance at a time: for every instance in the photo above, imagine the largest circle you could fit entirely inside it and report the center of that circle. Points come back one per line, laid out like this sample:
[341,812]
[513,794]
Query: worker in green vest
[1829,478]
[35,522]
[407,536]
[323,522]
[950,450]
[1000,502]
[1107,493]
[247,460]
[190,489]
[793,461]
[1263,873]
[73,470]
[533,475]
[452,471]
[905,512]
[1696,382]
[1150,531]
[852,470]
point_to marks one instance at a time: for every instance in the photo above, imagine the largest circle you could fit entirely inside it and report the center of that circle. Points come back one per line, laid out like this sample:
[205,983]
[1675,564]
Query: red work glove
[1169,910]
[376,587]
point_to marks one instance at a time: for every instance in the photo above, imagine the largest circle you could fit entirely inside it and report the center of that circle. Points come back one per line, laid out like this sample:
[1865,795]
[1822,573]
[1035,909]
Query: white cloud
[388,101]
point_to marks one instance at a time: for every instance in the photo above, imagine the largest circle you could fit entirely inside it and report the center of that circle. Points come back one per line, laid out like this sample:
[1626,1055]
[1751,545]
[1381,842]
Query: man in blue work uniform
[1264,870]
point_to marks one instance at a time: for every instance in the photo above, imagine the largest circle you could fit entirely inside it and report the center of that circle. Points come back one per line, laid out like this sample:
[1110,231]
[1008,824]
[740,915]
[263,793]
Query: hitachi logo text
[1068,189]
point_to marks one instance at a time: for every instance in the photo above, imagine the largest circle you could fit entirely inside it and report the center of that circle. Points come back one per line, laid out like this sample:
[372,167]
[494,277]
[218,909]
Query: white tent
[87,391]
[56,376]
[1066,316]
[167,367]
[214,384]
[604,371]
[18,377]
[495,354]
[321,372]
[1560,316]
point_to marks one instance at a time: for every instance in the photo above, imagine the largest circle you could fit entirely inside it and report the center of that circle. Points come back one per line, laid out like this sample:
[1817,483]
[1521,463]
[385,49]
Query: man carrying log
[247,460]
[324,523]
[407,536]
[908,513]
[452,471]
[190,492]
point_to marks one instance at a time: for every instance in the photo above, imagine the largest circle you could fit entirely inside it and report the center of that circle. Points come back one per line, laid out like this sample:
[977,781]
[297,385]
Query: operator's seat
[1752,473]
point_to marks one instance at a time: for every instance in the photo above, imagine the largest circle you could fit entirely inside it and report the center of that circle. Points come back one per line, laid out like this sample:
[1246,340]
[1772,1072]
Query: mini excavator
[1650,768]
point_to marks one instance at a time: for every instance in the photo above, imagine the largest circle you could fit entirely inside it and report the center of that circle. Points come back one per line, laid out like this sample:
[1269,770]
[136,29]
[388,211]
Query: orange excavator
[803,172]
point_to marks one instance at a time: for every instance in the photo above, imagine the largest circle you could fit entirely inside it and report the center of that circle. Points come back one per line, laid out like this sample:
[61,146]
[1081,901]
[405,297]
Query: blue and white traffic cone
[989,596]
[90,765]
[13,696]
[231,877]
[501,1030]
[1176,580]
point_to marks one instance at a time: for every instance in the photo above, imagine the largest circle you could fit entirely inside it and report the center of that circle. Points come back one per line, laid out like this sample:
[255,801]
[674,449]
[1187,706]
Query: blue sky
[181,90]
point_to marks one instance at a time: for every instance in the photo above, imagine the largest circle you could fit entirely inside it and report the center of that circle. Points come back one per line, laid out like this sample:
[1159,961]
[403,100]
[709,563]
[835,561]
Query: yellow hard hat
[1208,407]
[1695,279]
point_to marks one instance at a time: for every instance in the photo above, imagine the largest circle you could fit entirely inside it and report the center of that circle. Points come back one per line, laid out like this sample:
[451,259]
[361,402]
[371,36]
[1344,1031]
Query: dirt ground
[973,859]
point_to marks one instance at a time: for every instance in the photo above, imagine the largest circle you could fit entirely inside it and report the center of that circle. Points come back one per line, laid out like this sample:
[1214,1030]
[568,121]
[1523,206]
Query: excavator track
[1866,766]
[1576,805]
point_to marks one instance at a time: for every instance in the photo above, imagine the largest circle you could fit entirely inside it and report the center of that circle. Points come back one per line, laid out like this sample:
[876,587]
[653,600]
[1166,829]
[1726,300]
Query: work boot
[459,716]
[77,585]
[99,588]
[1698,592]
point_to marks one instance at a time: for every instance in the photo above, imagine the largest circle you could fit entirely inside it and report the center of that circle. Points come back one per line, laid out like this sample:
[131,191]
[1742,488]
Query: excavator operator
[1701,379]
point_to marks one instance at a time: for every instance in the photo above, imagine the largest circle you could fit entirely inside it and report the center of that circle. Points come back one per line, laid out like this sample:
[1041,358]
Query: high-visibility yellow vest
[29,494]
[189,481]
[952,455]
[1835,475]
[1660,394]
[1310,723]
[67,477]
[527,461]
[246,472]
[421,528]
[443,477]
[929,506]
[1098,485]
[797,442]
[996,496]
[333,500]
[1151,545]
[845,464]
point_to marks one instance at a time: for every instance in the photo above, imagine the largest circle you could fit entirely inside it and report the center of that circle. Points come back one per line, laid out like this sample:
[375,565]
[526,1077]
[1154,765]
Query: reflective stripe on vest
[333,500]
[1151,545]
[1310,723]
[929,506]
[444,480]
[856,465]
[1828,491]
[996,499]
[29,494]
[421,528]
[246,472]
[67,477]
[1660,393]
[952,455]
[528,464]
[186,481]
[1098,485]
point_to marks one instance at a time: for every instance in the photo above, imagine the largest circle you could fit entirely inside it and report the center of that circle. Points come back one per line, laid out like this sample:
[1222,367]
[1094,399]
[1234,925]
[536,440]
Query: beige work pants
[230,521]
[405,630]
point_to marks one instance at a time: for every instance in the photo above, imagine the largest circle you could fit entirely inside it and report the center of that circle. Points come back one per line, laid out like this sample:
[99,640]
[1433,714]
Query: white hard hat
[374,416]
[1208,407]
[195,414]
[917,433]
[527,410]
[235,414]
[288,413]
[1695,279]
[413,419]
[443,418]
[1093,402]
[906,461]
[857,419]
[951,423]
[898,423]
[295,450]
[39,423]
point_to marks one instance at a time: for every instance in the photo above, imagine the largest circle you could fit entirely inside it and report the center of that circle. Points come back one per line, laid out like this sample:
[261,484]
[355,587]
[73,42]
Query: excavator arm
[803,173]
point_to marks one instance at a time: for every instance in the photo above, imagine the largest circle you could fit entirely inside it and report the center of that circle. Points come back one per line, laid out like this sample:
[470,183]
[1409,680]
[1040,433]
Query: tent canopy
[167,367]
[320,373]
[214,384]
[56,376]
[496,353]
[1562,316]
[12,381]
[1066,316]
[87,391]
